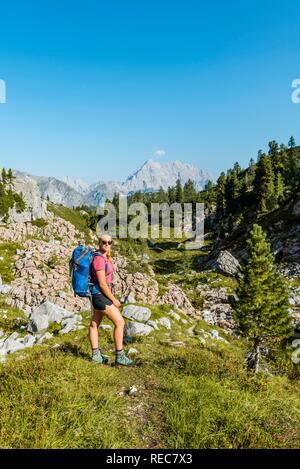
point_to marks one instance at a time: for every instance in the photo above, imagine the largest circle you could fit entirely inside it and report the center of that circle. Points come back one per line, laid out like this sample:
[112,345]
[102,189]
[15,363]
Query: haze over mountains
[150,177]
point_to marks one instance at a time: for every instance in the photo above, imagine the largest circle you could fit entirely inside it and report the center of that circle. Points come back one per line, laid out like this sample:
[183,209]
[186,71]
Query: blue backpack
[80,266]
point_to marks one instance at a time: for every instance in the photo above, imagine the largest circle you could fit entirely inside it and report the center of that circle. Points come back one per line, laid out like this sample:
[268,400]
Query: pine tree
[275,156]
[237,168]
[190,194]
[220,196]
[231,191]
[292,142]
[161,196]
[171,195]
[4,176]
[262,307]
[279,188]
[264,184]
[10,177]
[178,192]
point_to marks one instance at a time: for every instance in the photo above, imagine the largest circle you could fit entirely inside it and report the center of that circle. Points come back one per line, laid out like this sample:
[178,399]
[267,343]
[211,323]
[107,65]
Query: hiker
[104,303]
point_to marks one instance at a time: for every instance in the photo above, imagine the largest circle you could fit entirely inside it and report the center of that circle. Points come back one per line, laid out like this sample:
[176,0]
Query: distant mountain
[78,184]
[150,177]
[153,175]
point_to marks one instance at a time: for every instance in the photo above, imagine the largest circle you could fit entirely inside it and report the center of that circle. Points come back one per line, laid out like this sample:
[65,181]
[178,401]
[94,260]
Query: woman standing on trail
[104,303]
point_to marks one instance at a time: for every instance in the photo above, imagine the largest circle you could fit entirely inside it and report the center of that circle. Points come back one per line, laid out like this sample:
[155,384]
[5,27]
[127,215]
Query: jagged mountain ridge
[151,176]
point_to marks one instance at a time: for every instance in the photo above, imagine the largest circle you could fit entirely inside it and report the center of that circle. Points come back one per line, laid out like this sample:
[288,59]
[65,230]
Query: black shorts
[100,301]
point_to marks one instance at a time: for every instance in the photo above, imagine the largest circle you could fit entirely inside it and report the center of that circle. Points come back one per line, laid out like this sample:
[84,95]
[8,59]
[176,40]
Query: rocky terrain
[179,328]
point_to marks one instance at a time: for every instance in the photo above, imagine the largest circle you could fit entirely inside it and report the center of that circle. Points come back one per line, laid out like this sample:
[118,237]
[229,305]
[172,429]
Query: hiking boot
[99,358]
[122,359]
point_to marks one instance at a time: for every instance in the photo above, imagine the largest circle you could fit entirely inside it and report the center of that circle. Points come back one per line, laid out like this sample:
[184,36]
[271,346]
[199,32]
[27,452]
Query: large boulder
[133,328]
[13,343]
[139,313]
[70,324]
[226,264]
[46,313]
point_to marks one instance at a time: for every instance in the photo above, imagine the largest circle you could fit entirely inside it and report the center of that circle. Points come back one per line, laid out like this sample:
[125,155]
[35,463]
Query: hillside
[189,389]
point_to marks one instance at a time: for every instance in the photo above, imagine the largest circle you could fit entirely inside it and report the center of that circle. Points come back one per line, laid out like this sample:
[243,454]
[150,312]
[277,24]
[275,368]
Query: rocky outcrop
[216,307]
[176,297]
[36,207]
[225,264]
[143,287]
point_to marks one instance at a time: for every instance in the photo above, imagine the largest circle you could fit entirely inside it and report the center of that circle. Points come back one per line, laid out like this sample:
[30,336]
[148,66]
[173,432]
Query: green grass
[11,319]
[39,222]
[192,396]
[7,250]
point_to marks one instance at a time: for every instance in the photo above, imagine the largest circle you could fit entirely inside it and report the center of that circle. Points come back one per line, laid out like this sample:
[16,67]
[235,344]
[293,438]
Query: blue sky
[95,88]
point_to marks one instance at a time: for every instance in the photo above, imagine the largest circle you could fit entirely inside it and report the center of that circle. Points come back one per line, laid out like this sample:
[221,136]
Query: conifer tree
[189,192]
[171,195]
[262,306]
[279,188]
[275,156]
[220,196]
[292,142]
[231,191]
[264,184]
[178,192]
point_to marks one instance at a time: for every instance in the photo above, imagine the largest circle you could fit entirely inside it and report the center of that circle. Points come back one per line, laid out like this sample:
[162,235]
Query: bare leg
[115,316]
[96,319]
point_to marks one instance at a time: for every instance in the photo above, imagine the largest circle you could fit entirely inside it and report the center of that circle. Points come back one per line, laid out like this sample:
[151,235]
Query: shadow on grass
[73,349]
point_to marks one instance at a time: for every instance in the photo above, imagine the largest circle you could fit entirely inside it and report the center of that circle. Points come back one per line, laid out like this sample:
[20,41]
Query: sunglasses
[106,242]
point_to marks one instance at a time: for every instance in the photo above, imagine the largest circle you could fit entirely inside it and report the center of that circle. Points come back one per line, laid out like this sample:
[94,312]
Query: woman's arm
[104,287]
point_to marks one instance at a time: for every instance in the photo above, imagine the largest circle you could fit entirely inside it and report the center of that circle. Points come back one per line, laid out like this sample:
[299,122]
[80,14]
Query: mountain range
[150,177]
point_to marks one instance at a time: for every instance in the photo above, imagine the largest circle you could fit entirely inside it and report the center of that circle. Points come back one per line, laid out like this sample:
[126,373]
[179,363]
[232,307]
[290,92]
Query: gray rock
[137,328]
[38,323]
[47,312]
[165,322]
[226,264]
[105,327]
[132,391]
[132,351]
[11,344]
[29,340]
[69,325]
[45,336]
[130,298]
[139,313]
[153,324]
[214,334]
[173,315]
[4,289]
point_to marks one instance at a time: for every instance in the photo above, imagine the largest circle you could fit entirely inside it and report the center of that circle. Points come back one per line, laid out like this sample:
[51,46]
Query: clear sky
[95,88]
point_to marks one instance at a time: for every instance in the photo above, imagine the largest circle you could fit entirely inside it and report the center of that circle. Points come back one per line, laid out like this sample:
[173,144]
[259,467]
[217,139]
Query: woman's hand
[116,303]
